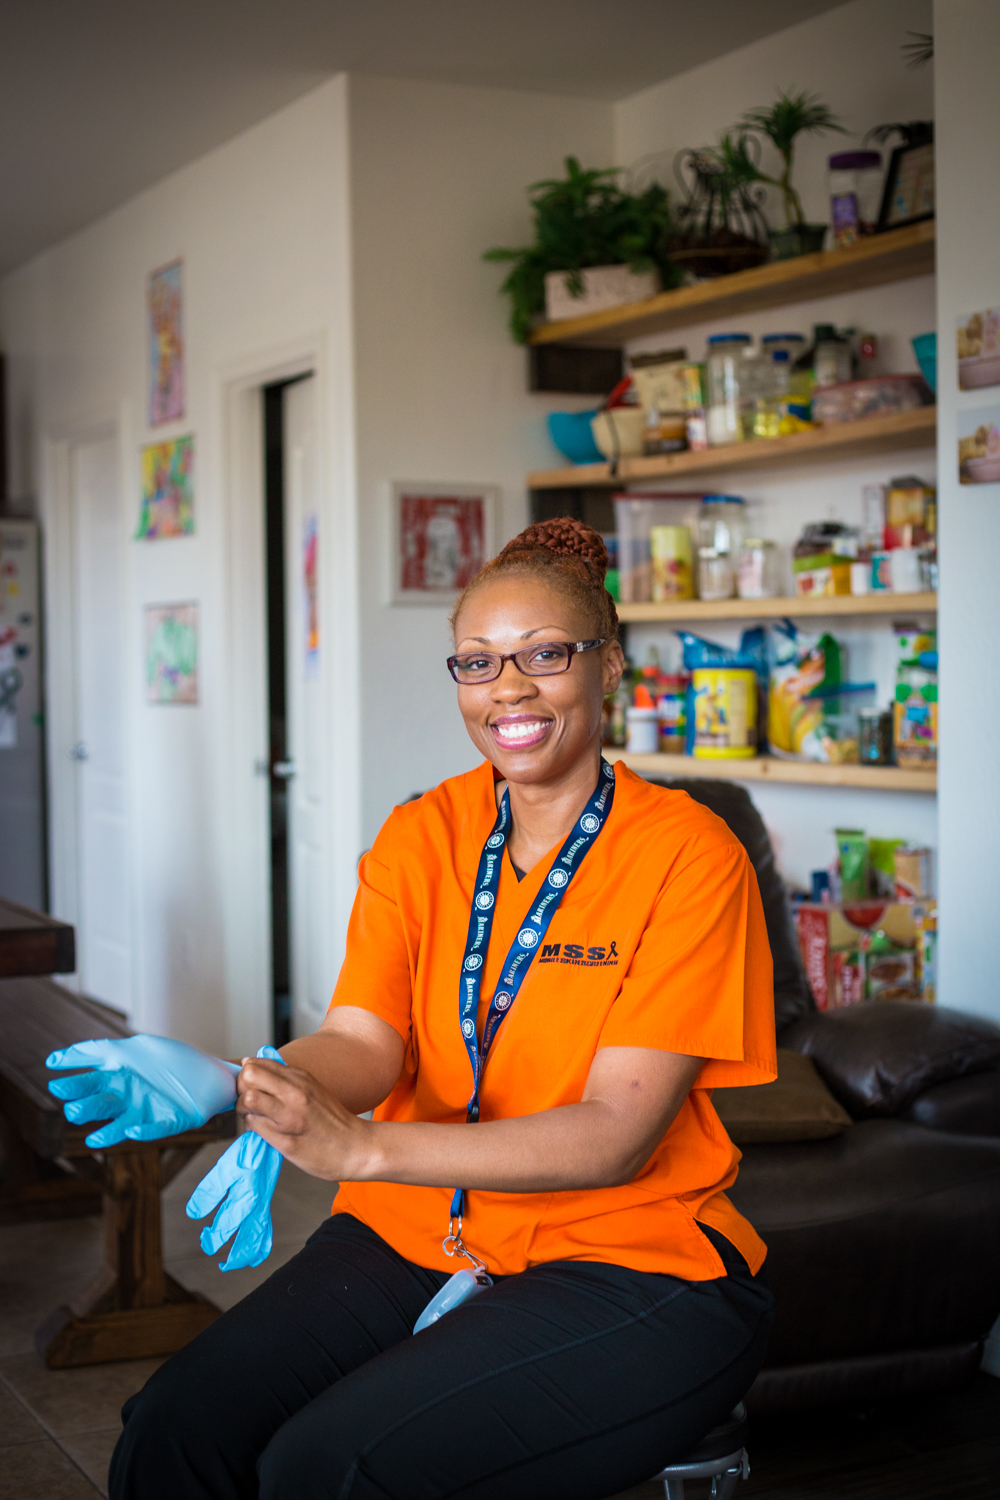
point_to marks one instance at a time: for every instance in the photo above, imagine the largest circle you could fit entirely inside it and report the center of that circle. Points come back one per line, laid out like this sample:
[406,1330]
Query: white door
[103,927]
[306,663]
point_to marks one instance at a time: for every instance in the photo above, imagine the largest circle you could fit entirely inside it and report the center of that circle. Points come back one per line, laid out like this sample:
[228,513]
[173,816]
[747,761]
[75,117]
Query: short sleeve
[700,981]
[375,974]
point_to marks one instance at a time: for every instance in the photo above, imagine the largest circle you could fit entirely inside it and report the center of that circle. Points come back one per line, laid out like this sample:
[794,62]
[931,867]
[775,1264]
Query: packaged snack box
[912,869]
[842,942]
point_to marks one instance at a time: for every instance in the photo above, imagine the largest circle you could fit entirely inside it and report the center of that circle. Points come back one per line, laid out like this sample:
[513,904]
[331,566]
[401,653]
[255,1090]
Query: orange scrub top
[659,941]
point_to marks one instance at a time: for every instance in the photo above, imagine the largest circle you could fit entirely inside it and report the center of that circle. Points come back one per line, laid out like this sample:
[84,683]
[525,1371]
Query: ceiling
[101,98]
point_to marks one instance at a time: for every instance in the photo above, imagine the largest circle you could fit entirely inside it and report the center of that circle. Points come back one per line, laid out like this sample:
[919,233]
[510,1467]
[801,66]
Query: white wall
[967,44]
[851,58]
[438,175]
[261,224]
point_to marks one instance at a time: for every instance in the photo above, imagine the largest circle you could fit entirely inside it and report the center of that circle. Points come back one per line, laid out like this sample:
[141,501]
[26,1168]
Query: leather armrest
[962,1106]
[877,1057]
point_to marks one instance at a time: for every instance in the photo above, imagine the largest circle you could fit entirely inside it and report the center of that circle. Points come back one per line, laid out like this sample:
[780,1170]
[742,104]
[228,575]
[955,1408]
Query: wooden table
[134,1309]
[32,943]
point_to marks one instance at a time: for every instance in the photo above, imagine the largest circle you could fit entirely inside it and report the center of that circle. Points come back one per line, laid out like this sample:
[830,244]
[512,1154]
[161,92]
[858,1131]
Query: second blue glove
[245,1176]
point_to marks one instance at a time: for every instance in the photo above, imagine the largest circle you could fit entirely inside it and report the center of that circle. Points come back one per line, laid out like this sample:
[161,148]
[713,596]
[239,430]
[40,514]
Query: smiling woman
[568,960]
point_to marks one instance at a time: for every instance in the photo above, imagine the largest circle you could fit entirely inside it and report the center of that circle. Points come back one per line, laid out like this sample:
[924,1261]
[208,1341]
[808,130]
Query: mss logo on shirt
[584,956]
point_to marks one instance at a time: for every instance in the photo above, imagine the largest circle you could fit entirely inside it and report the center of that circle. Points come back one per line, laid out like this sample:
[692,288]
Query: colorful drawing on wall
[979,349]
[167,489]
[310,593]
[166,345]
[172,653]
[979,445]
[442,535]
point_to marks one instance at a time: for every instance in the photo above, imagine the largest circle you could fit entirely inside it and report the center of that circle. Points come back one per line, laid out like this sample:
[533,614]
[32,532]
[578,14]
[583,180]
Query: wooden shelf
[824,605]
[896,256]
[902,429]
[773,769]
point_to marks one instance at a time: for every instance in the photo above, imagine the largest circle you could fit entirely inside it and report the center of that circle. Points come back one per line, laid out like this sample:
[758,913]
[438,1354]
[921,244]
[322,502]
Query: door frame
[246,862]
[61,686]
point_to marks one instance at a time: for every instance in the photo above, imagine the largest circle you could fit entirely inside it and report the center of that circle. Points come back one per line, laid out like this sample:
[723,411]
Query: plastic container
[725,713]
[759,570]
[672,708]
[855,182]
[726,381]
[570,431]
[837,734]
[671,562]
[642,730]
[635,518]
[878,395]
[832,363]
[925,348]
[721,528]
[875,736]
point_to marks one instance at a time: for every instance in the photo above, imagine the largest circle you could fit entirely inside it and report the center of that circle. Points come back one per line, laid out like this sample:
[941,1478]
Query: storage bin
[635,517]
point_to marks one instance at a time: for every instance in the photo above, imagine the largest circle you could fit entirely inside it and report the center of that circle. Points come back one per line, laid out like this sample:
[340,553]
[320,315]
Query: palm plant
[789,116]
[585,219]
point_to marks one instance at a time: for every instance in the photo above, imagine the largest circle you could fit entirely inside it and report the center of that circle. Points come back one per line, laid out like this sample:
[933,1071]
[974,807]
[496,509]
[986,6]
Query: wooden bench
[33,943]
[134,1309]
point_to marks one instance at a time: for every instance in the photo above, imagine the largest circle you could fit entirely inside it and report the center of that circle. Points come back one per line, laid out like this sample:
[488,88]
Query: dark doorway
[279,766]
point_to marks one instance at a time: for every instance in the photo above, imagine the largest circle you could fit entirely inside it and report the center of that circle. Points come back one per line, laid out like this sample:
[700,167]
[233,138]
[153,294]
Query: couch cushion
[878,1056]
[966,1106]
[732,803]
[797,1106]
[884,1238]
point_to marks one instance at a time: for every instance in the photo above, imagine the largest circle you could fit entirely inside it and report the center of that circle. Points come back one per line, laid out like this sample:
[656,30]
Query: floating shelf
[901,429]
[691,610]
[895,256]
[773,769]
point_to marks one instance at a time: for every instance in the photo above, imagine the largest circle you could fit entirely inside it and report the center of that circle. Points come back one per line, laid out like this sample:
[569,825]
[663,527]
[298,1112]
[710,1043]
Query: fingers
[80,1055]
[104,1106]
[78,1085]
[252,1244]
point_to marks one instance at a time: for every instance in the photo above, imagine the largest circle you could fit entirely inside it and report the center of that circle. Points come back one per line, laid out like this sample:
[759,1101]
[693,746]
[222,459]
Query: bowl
[984,470]
[619,432]
[978,370]
[925,348]
[570,431]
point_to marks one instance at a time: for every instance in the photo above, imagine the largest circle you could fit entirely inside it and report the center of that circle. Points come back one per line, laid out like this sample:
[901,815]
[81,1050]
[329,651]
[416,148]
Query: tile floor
[58,1427]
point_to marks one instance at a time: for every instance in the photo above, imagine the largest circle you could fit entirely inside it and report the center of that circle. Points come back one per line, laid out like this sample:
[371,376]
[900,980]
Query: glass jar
[833,361]
[855,179]
[875,736]
[724,370]
[759,573]
[715,574]
[722,525]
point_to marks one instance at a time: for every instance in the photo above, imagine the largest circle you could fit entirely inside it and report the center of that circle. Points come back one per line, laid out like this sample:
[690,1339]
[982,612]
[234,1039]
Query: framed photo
[166,344]
[979,445]
[908,196]
[171,653]
[441,536]
[978,349]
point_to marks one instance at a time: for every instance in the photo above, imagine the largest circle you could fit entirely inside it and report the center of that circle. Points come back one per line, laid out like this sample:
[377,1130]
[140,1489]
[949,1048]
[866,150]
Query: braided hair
[568,554]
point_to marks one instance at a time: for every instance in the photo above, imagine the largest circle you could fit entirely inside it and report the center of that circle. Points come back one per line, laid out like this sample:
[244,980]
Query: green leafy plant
[790,116]
[585,219]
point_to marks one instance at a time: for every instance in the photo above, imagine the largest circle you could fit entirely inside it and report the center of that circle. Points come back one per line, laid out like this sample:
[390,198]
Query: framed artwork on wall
[171,653]
[166,344]
[441,536]
[908,196]
[167,505]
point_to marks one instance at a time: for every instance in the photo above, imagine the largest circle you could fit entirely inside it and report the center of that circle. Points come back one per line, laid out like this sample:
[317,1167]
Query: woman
[549,967]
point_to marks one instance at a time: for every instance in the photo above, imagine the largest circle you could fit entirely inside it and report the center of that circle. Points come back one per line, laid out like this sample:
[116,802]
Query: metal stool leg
[674,1489]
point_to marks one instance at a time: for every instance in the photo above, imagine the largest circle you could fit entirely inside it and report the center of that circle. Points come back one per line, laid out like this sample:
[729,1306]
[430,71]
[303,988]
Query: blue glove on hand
[147,1086]
[248,1173]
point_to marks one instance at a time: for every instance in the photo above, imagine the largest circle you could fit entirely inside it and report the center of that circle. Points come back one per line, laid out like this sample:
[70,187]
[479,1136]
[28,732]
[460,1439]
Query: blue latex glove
[147,1086]
[248,1174]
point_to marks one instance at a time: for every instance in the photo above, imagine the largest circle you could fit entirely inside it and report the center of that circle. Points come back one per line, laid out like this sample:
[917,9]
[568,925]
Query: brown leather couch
[884,1241]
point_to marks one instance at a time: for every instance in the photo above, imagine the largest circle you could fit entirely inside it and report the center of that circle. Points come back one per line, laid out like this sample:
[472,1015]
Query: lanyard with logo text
[585,830]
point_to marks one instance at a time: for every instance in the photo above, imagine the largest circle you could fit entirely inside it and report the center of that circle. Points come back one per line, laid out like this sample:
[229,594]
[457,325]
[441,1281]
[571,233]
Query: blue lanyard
[524,947]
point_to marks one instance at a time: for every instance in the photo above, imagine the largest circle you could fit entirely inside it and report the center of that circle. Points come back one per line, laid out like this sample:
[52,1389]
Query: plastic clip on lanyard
[585,830]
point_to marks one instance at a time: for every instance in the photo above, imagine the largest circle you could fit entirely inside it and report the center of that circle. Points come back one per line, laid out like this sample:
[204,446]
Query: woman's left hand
[293,1113]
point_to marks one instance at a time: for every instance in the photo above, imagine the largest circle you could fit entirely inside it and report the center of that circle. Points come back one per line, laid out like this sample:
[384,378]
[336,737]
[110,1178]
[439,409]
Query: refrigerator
[22,765]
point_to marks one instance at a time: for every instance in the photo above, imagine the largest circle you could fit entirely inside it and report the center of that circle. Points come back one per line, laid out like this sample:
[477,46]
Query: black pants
[571,1379]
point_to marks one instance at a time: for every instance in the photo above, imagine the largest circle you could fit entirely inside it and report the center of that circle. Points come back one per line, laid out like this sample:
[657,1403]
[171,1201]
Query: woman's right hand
[147,1086]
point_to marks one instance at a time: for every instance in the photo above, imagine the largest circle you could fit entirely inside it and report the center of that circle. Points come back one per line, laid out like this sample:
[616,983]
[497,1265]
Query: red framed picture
[442,535]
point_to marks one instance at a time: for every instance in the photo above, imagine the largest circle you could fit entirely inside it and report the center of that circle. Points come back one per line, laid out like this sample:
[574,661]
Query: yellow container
[725,713]
[672,558]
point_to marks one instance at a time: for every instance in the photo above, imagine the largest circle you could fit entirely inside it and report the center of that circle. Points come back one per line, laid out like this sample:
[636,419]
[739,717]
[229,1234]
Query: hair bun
[565,538]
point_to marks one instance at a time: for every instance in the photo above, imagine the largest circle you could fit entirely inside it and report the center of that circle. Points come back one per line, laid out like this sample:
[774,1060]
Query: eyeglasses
[542,660]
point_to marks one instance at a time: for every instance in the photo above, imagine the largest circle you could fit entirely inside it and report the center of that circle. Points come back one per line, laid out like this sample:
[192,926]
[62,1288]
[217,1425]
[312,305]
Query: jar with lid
[832,364]
[759,572]
[855,179]
[773,393]
[722,525]
[726,379]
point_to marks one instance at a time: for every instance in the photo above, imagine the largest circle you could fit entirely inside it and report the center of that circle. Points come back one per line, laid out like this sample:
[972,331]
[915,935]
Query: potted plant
[719,225]
[585,223]
[781,123]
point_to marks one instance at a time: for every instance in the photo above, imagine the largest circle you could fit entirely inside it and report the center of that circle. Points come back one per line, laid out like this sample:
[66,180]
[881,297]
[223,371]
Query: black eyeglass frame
[571,647]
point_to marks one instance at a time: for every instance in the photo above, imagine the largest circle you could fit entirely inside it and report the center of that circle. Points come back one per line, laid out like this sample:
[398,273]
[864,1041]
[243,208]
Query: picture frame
[908,195]
[442,533]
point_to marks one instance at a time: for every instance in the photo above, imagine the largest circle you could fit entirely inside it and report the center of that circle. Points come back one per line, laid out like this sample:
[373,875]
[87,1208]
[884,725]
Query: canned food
[671,557]
[725,713]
